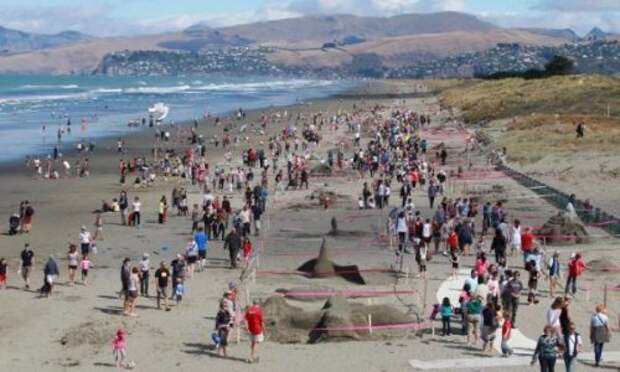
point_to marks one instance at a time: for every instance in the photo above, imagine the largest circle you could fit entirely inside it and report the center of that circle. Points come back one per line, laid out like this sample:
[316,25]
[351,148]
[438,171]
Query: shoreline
[68,150]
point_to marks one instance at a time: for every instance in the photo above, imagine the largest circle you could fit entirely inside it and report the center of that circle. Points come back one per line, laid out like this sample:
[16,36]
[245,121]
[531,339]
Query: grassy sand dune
[535,118]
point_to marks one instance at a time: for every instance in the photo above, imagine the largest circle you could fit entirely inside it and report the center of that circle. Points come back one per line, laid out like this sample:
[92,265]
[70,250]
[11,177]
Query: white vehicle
[159,112]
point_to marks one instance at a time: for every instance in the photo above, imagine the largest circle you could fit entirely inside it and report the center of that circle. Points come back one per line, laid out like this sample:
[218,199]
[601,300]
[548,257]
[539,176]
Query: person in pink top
[482,264]
[119,347]
[85,265]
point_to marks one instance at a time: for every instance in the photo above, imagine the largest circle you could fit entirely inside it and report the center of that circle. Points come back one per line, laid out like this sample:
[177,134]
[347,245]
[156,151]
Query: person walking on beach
[191,256]
[178,272]
[125,274]
[136,207]
[27,217]
[511,295]
[202,241]
[85,241]
[506,334]
[85,264]
[256,325]
[554,272]
[223,322]
[132,292]
[27,264]
[576,267]
[123,204]
[119,348]
[145,268]
[163,210]
[163,276]
[547,349]
[98,227]
[72,258]
[600,334]
[573,345]
[446,310]
[50,273]
[233,244]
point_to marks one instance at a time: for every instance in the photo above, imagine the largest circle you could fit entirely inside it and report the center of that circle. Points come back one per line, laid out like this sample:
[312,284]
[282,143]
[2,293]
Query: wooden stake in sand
[605,296]
[370,323]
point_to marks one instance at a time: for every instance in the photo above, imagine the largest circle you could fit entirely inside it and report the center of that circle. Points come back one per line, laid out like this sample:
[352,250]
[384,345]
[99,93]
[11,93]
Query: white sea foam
[68,86]
[157,90]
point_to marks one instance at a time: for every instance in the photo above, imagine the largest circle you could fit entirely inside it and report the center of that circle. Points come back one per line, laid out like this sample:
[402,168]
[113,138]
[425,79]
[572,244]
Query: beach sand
[84,318]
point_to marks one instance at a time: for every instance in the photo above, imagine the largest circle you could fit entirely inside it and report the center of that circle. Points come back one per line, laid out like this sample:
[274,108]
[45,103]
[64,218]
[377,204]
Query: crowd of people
[396,156]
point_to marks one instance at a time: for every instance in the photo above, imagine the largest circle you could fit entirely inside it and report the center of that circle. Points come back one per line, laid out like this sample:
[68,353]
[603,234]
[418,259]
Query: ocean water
[34,108]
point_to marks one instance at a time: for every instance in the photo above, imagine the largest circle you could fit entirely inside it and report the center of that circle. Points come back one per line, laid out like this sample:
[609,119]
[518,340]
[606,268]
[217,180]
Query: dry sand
[72,330]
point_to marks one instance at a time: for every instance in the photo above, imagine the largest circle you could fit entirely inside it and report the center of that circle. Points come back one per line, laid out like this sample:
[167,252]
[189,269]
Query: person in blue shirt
[446,312]
[202,242]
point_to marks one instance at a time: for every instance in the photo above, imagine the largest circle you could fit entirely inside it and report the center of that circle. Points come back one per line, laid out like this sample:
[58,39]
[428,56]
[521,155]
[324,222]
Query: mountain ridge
[16,41]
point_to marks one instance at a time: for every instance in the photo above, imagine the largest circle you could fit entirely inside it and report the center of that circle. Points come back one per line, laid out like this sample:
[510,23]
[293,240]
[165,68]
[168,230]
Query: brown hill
[397,39]
[402,50]
[336,27]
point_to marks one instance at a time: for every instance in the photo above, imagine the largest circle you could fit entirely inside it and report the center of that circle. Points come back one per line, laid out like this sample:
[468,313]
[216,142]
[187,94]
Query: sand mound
[323,267]
[290,324]
[96,333]
[561,229]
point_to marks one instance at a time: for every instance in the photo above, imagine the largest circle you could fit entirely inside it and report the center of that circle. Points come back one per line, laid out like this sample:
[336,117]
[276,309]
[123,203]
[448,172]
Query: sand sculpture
[561,229]
[323,267]
[337,320]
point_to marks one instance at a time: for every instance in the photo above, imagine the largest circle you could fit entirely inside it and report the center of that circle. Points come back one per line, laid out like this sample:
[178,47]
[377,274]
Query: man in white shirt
[85,241]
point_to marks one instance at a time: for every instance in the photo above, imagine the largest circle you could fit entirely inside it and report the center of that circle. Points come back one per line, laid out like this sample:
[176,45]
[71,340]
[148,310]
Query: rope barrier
[410,326]
[345,293]
[370,270]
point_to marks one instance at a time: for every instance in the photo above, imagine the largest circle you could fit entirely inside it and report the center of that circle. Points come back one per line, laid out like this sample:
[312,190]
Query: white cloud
[578,6]
[578,22]
[374,7]
[93,18]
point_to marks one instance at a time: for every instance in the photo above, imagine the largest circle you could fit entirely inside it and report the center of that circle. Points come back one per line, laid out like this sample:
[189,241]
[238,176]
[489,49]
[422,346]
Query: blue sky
[122,17]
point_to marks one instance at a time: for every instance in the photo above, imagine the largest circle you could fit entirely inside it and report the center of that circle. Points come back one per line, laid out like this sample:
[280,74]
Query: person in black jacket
[499,245]
[233,244]
[50,273]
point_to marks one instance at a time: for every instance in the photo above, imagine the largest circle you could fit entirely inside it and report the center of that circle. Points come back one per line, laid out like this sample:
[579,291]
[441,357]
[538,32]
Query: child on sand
[446,314]
[506,333]
[85,265]
[119,348]
[179,291]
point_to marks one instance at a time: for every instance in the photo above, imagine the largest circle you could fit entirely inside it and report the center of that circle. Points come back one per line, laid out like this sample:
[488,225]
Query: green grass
[540,115]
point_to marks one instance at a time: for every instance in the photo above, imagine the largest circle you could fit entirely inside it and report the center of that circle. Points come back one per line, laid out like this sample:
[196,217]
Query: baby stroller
[13,224]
